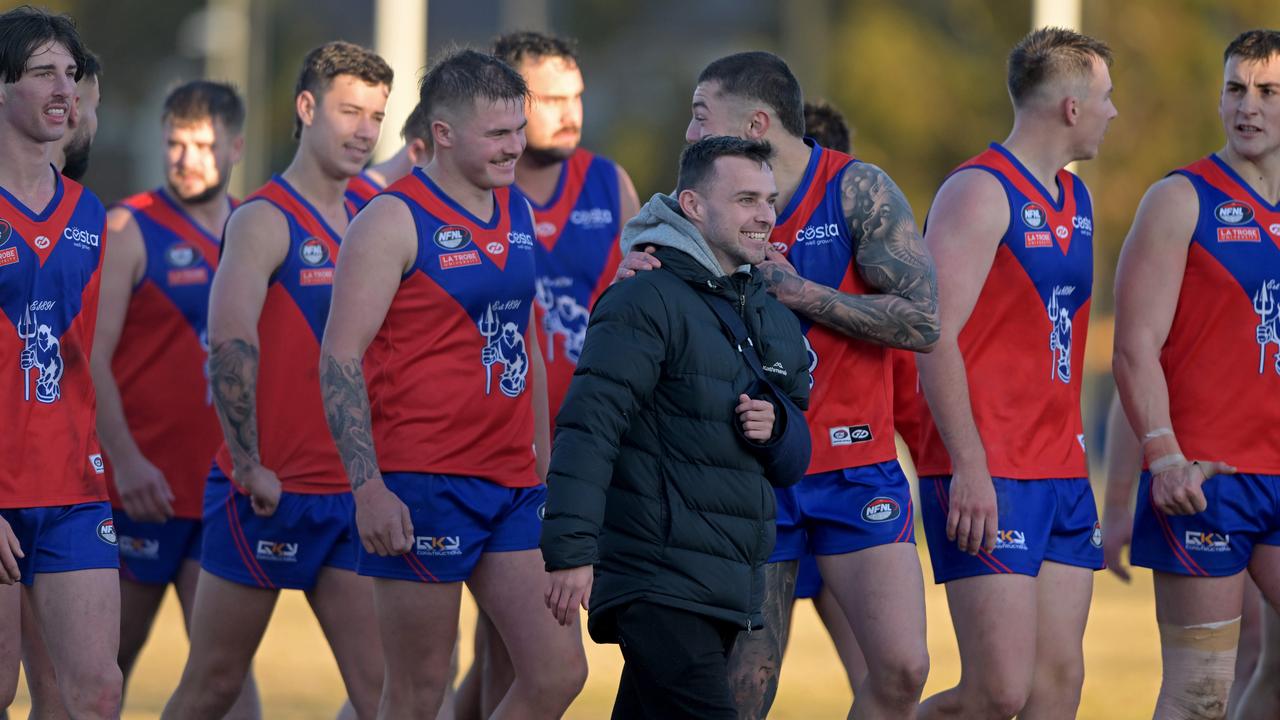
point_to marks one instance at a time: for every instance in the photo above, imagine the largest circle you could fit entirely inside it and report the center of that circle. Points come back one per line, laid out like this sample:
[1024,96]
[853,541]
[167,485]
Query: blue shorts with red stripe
[306,533]
[456,520]
[151,553]
[808,578]
[1054,519]
[64,538]
[1243,511]
[842,511]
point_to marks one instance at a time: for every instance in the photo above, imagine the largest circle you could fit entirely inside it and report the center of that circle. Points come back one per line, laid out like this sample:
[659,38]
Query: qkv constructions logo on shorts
[1207,541]
[438,546]
[273,551]
[1011,540]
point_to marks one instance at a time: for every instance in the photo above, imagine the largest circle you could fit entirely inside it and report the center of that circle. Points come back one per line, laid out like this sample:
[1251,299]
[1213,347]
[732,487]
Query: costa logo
[1033,216]
[451,237]
[1233,212]
[180,255]
[6,231]
[1062,232]
[313,252]
[881,509]
[495,248]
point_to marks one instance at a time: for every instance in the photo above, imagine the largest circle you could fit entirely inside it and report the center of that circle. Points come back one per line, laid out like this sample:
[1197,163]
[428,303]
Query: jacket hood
[661,223]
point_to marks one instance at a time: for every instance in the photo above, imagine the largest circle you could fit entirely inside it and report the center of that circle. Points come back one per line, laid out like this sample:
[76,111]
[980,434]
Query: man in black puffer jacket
[656,475]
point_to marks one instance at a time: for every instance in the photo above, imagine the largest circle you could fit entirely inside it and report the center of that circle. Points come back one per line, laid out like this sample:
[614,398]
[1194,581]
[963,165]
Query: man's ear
[305,105]
[691,205]
[758,125]
[419,153]
[1070,107]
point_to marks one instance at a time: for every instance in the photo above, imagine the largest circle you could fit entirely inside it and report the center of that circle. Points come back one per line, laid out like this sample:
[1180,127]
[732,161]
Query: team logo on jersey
[42,352]
[277,551]
[1233,212]
[504,345]
[592,219]
[1096,538]
[1060,335]
[545,229]
[562,317]
[451,237]
[881,509]
[1268,329]
[1011,540]
[6,231]
[180,255]
[1034,216]
[107,531]
[313,252]
[849,434]
[139,548]
[440,546]
[42,242]
[8,256]
[1207,541]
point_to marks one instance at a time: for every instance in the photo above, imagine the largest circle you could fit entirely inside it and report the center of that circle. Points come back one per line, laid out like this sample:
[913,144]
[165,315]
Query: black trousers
[677,664]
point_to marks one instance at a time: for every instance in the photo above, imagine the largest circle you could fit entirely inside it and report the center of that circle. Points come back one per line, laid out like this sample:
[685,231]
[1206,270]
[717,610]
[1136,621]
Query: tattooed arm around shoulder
[902,309]
[378,248]
[256,241]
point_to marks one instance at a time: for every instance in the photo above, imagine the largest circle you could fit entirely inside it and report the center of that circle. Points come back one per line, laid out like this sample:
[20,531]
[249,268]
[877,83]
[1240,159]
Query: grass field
[299,679]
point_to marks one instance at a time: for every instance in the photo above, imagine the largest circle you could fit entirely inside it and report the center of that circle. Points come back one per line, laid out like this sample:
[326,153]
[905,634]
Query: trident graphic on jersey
[1268,330]
[503,344]
[41,351]
[563,316]
[1060,335]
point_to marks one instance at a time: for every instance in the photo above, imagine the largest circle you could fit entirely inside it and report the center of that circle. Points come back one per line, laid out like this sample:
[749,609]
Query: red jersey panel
[360,190]
[293,438]
[159,364]
[1222,357]
[50,267]
[577,254]
[448,370]
[851,404]
[1023,345]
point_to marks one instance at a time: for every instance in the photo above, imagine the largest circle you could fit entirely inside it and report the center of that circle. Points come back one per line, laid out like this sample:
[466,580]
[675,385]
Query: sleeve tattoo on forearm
[346,409]
[233,378]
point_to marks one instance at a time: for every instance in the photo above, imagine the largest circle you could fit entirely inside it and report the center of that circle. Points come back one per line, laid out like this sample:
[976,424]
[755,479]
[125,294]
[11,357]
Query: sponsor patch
[1062,232]
[313,252]
[316,276]
[95,462]
[42,242]
[1239,234]
[520,239]
[1234,212]
[545,229]
[1011,540]
[190,276]
[139,548]
[849,434]
[495,248]
[780,246]
[82,238]
[1083,224]
[881,509]
[449,261]
[6,231]
[451,237]
[180,255]
[1207,541]
[8,256]
[542,511]
[592,219]
[442,546]
[1274,228]
[107,531]
[277,551]
[1033,216]
[776,368]
[1038,239]
[1096,538]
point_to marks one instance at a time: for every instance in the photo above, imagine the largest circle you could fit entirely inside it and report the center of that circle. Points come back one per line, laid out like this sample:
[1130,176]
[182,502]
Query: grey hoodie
[661,223]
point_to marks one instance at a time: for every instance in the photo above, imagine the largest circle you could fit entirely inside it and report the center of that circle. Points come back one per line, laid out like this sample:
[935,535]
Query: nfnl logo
[881,509]
[107,531]
[849,434]
[1096,538]
[1033,216]
[6,231]
[277,551]
[139,547]
[445,545]
[1233,212]
[451,237]
[1207,541]
[313,252]
[1011,540]
[180,255]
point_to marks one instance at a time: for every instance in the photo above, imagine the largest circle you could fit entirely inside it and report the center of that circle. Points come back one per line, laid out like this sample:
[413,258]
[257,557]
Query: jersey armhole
[1195,186]
[417,231]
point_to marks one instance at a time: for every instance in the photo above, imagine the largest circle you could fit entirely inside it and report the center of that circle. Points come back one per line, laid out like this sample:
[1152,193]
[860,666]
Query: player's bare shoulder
[971,201]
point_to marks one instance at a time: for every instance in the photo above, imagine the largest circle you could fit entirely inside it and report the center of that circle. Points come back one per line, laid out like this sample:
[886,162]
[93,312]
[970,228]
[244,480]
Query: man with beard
[152,333]
[71,153]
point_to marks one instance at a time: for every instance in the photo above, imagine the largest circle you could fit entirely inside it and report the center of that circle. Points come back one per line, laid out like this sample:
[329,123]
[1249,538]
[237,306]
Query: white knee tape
[1199,663]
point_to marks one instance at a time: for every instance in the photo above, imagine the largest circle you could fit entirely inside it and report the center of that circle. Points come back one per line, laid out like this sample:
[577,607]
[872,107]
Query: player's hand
[1178,491]
[972,520]
[10,551]
[144,493]
[383,520]
[756,417]
[567,590]
[1117,521]
[263,487]
[780,276]
[636,261]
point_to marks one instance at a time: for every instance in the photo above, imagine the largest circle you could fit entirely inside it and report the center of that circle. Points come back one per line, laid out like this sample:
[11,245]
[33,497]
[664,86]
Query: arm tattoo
[756,659]
[890,257]
[233,377]
[346,409]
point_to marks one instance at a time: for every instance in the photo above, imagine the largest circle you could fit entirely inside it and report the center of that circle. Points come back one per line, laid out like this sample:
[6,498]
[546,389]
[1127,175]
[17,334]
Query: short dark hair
[513,48]
[205,100]
[697,161]
[761,76]
[23,30]
[92,67]
[464,76]
[1049,53]
[417,126]
[332,59]
[1259,45]
[824,123]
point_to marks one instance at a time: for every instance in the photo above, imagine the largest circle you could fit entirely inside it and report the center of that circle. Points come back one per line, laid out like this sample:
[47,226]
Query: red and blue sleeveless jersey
[576,255]
[159,364]
[361,189]
[1023,345]
[448,372]
[1222,357]
[851,407]
[293,438]
[909,406]
[50,269]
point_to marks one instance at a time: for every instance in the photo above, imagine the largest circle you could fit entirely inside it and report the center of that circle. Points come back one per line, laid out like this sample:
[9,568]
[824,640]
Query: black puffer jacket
[649,480]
